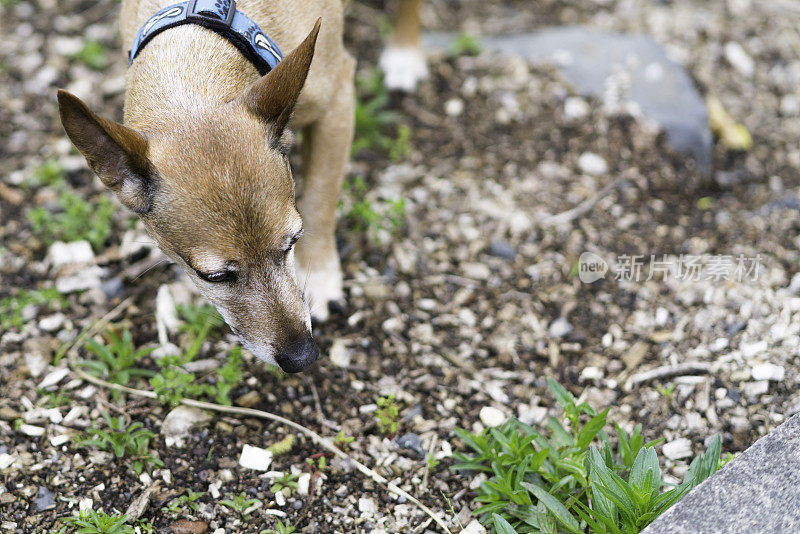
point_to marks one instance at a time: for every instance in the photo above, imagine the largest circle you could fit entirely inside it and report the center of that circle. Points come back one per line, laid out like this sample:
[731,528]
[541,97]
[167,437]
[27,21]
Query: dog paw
[403,68]
[323,290]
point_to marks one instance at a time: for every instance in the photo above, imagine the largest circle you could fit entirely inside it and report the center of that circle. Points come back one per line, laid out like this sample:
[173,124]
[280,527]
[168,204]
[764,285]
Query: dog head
[215,190]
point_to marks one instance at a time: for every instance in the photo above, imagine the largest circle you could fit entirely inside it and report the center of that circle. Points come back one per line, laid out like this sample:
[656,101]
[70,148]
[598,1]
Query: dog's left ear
[273,97]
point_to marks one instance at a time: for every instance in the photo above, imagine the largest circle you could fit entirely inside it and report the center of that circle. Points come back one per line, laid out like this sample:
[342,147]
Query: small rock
[88,278]
[74,253]
[249,399]
[303,484]
[754,390]
[492,417]
[367,506]
[166,314]
[474,527]
[180,422]
[36,363]
[45,499]
[591,374]
[592,164]
[6,460]
[768,371]
[52,323]
[560,327]
[101,458]
[53,378]
[575,108]
[32,431]
[411,442]
[454,107]
[188,527]
[750,350]
[339,354]
[280,499]
[677,449]
[502,249]
[255,458]
[739,59]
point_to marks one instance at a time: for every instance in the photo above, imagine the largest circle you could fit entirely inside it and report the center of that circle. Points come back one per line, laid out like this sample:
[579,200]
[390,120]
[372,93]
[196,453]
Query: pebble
[677,449]
[492,417]
[768,371]
[280,499]
[52,323]
[754,390]
[31,430]
[575,108]
[6,460]
[74,253]
[88,278]
[255,458]
[592,164]
[36,364]
[753,349]
[454,107]
[474,527]
[411,442]
[179,423]
[53,378]
[739,59]
[367,506]
[303,484]
[339,354]
[45,499]
[166,314]
[502,249]
[560,327]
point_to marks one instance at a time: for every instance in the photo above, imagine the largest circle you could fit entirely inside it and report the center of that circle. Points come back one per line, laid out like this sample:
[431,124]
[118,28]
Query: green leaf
[502,526]
[590,430]
[555,507]
[563,397]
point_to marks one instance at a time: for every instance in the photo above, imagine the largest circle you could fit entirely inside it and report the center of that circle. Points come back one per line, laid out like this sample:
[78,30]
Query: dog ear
[115,153]
[273,97]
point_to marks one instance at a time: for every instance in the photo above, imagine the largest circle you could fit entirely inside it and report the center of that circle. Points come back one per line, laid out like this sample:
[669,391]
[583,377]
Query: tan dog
[202,160]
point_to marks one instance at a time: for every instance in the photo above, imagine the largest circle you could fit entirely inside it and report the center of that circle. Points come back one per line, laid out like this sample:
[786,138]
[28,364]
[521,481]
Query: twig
[584,207]
[316,438]
[668,371]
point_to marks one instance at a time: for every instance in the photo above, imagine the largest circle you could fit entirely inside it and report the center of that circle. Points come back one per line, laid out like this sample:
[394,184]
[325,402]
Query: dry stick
[583,207]
[316,438]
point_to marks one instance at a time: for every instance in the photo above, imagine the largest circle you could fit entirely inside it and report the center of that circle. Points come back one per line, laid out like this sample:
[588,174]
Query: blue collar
[221,17]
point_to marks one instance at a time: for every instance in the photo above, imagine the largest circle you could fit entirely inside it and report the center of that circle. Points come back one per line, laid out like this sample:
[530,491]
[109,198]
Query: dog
[201,156]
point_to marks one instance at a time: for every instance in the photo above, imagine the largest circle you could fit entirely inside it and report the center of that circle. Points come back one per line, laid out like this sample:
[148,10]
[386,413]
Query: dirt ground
[472,301]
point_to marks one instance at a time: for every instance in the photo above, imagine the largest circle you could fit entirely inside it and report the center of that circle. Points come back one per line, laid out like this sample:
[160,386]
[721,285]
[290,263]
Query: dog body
[201,158]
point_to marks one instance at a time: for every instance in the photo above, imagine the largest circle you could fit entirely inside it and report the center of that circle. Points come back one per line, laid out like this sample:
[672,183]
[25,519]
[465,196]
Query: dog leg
[326,151]
[403,61]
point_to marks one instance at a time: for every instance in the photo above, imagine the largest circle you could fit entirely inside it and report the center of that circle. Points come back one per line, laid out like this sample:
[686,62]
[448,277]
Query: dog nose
[298,355]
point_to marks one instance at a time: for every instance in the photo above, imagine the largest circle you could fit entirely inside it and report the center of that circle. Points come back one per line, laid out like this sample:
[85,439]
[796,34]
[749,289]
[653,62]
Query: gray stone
[590,58]
[411,442]
[502,249]
[44,500]
[756,492]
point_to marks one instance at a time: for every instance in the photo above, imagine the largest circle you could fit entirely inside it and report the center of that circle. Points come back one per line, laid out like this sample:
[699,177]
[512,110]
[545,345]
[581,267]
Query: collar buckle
[211,17]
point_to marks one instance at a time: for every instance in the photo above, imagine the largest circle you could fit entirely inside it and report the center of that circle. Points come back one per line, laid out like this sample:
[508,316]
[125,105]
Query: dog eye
[218,277]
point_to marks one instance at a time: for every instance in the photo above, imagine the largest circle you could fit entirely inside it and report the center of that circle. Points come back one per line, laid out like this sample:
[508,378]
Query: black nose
[298,355]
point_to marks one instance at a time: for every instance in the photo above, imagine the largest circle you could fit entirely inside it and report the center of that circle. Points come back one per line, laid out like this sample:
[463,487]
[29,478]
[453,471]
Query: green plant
[76,220]
[11,308]
[123,440]
[283,446]
[377,127]
[369,217]
[465,45]
[432,462]
[285,483]
[387,414]
[280,528]
[93,54]
[238,503]
[229,376]
[180,505]
[343,439]
[563,482]
[91,522]
[116,360]
[49,173]
[666,391]
[199,321]
[56,399]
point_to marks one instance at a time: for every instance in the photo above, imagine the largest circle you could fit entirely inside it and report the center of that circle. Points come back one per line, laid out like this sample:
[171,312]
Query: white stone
[57,441]
[85,505]
[52,323]
[739,59]
[88,278]
[753,390]
[303,484]
[76,252]
[367,506]
[53,378]
[32,431]
[768,371]
[492,417]
[560,327]
[454,107]
[677,449]
[591,373]
[6,460]
[339,354]
[592,164]
[179,423]
[280,500]
[575,108]
[255,458]
[719,344]
[36,364]
[166,316]
[474,527]
[753,349]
